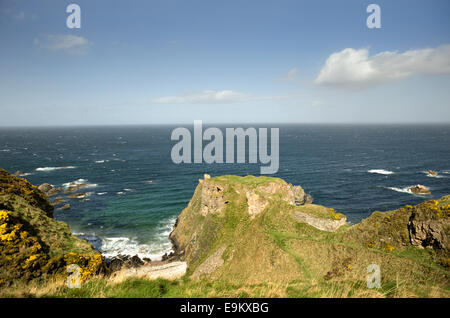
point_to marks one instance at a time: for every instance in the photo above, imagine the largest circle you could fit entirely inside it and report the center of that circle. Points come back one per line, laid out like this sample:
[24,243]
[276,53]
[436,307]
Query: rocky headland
[242,236]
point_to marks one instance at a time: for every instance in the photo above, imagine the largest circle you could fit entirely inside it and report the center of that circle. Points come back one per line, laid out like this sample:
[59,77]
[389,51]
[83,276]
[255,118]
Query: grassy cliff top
[243,230]
[249,180]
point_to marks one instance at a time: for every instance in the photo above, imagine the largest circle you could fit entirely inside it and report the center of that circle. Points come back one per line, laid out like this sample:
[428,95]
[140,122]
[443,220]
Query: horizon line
[231,124]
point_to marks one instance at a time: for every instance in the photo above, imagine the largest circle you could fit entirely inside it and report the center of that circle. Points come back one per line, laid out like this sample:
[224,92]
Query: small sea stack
[419,189]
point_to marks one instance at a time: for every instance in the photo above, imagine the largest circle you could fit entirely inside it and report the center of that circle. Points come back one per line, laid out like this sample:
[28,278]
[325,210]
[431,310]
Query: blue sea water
[354,169]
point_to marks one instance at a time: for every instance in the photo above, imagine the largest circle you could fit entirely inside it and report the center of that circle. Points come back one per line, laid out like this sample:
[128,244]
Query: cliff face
[426,225]
[261,229]
[227,219]
[32,243]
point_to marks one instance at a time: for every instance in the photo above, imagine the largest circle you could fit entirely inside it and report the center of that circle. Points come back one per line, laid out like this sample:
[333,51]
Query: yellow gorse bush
[334,214]
[17,244]
[21,250]
[90,264]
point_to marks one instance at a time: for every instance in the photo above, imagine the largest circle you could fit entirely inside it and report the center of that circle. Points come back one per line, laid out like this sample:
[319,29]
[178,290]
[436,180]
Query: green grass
[247,180]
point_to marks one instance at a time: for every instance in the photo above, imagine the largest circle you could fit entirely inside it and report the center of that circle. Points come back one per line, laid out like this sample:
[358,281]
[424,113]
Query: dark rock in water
[74,187]
[49,190]
[146,259]
[419,189]
[432,172]
[65,207]
[53,191]
[77,196]
[45,187]
[58,201]
[125,261]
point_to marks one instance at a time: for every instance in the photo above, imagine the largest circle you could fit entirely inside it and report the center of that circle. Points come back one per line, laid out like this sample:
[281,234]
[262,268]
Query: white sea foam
[54,168]
[113,246]
[78,182]
[402,190]
[380,171]
[102,193]
[160,245]
[120,192]
[85,195]
[25,174]
[101,161]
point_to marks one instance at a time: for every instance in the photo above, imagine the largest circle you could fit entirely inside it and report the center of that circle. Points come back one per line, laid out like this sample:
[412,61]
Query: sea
[135,192]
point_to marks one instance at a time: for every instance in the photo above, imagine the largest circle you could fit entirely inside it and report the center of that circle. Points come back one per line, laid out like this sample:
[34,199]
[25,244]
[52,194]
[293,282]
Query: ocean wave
[380,171]
[78,182]
[401,190]
[113,246]
[24,174]
[101,161]
[54,168]
[404,190]
[102,193]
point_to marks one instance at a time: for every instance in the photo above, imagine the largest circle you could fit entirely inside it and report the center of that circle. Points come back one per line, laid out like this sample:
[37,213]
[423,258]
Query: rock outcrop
[125,261]
[66,206]
[429,225]
[49,190]
[324,224]
[419,189]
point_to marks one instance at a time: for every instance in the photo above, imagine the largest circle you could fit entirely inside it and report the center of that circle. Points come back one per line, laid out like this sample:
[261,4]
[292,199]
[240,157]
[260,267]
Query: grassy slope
[32,243]
[275,256]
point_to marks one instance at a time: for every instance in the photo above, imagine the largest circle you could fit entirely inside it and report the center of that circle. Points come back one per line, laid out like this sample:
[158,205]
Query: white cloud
[205,97]
[72,44]
[355,69]
[290,76]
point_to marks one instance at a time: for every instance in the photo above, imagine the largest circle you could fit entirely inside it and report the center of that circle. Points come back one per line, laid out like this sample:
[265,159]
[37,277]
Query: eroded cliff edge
[264,230]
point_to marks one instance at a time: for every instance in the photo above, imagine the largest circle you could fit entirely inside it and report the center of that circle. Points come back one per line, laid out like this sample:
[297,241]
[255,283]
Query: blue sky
[147,62]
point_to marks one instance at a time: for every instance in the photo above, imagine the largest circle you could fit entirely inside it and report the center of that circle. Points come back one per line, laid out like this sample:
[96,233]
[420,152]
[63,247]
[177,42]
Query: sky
[255,61]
